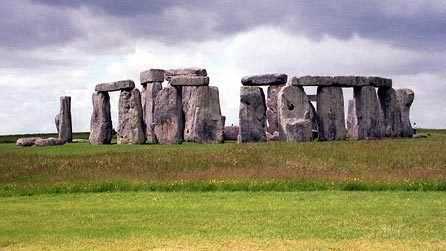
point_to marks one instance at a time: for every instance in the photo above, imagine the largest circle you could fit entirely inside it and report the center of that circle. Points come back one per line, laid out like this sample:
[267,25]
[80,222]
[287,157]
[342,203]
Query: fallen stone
[265,79]
[404,101]
[330,113]
[115,86]
[341,81]
[252,115]
[101,124]
[392,115]
[294,114]
[80,141]
[63,120]
[148,104]
[130,130]
[271,112]
[49,142]
[27,141]
[168,116]
[189,81]
[273,137]
[420,136]
[192,71]
[231,132]
[152,75]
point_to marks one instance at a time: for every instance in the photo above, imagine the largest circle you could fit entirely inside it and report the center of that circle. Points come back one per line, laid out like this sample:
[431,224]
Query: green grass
[239,220]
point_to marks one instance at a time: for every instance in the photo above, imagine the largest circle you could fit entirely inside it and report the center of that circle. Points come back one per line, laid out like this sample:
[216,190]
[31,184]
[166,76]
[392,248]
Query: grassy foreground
[224,220]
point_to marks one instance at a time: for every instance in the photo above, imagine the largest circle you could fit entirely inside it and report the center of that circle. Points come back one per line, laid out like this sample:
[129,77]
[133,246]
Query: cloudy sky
[50,48]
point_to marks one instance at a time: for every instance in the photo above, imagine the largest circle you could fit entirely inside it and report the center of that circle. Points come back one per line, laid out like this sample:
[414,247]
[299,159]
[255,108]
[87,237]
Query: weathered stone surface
[273,137]
[392,115]
[369,114]
[148,104]
[405,99]
[57,122]
[231,132]
[330,113]
[313,118]
[271,112]
[101,124]
[27,141]
[341,81]
[192,71]
[294,114]
[312,81]
[352,120]
[49,142]
[265,79]
[130,130]
[152,75]
[420,136]
[168,116]
[252,115]
[63,120]
[202,114]
[189,81]
[115,86]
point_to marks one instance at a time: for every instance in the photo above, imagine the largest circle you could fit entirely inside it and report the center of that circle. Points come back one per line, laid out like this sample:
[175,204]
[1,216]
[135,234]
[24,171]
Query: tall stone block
[294,114]
[130,130]
[148,106]
[101,124]
[405,99]
[64,126]
[330,113]
[168,116]
[252,115]
[392,114]
[352,120]
[271,112]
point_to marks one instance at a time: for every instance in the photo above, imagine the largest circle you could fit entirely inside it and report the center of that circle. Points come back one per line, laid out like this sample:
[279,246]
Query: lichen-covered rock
[405,99]
[252,115]
[63,120]
[49,142]
[27,141]
[148,104]
[130,130]
[265,79]
[168,116]
[101,127]
[392,114]
[231,132]
[294,114]
[115,86]
[271,112]
[330,113]
[192,71]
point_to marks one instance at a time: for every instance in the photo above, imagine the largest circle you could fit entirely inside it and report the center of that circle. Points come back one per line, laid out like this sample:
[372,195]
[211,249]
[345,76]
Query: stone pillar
[392,115]
[352,120]
[130,130]
[101,124]
[252,115]
[148,104]
[271,112]
[168,116]
[330,113]
[405,99]
[313,118]
[294,114]
[369,113]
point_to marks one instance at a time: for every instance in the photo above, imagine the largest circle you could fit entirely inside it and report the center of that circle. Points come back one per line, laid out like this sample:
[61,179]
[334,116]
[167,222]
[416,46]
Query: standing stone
[392,114]
[271,112]
[330,113]
[148,104]
[313,118]
[405,99]
[202,114]
[130,130]
[168,116]
[63,120]
[369,114]
[101,124]
[352,120]
[231,132]
[252,115]
[294,114]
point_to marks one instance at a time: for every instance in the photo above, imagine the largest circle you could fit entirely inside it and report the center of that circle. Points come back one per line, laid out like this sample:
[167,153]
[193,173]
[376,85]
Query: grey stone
[312,81]
[168,116]
[294,114]
[231,132]
[352,120]
[130,130]
[341,81]
[271,112]
[152,75]
[405,99]
[148,104]
[202,114]
[101,124]
[63,120]
[265,79]
[115,86]
[189,81]
[420,136]
[27,141]
[313,118]
[252,115]
[392,114]
[273,137]
[330,113]
[49,142]
[192,71]
[57,122]
[80,141]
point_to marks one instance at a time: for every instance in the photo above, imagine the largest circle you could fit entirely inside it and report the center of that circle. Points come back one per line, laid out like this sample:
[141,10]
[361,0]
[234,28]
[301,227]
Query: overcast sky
[51,48]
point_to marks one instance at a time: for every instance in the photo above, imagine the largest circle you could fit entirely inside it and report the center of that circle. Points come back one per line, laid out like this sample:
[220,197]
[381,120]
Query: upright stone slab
[101,124]
[252,115]
[392,114]
[63,120]
[330,113]
[352,120]
[271,112]
[202,114]
[369,113]
[148,104]
[231,132]
[130,130]
[405,99]
[313,118]
[168,116]
[294,114]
